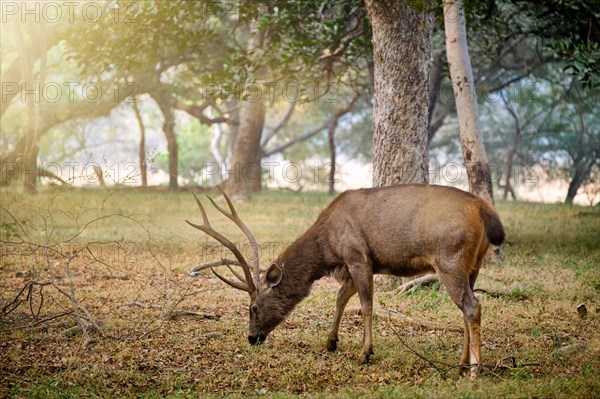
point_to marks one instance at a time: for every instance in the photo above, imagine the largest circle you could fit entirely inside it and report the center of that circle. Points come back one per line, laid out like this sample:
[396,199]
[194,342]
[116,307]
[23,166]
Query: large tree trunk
[245,169]
[461,73]
[401,49]
[257,182]
[401,53]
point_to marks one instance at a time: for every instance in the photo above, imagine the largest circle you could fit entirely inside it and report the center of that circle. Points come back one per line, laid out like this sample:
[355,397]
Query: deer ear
[274,275]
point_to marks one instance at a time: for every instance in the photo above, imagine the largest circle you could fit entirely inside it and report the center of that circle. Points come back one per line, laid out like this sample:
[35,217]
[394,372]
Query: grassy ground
[124,256]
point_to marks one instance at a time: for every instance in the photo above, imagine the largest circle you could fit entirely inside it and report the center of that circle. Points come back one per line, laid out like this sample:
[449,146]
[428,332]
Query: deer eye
[254,308]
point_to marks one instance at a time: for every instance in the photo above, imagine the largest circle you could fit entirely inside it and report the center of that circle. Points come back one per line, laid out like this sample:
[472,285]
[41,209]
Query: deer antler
[209,265]
[195,271]
[250,284]
[233,216]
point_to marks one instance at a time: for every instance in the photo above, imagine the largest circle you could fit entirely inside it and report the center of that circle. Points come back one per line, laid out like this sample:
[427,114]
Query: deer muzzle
[256,339]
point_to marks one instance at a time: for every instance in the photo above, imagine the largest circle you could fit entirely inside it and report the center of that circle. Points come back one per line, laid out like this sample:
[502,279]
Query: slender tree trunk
[331,141]
[99,175]
[510,156]
[401,51]
[10,166]
[435,81]
[29,155]
[165,104]
[508,188]
[142,145]
[216,153]
[169,129]
[582,166]
[30,168]
[234,129]
[461,73]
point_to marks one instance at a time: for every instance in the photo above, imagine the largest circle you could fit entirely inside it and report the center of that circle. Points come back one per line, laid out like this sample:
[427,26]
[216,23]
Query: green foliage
[554,120]
[565,31]
[177,48]
[193,139]
[205,42]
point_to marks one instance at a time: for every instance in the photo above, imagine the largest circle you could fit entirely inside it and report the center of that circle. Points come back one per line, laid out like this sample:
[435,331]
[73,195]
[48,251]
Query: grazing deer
[403,230]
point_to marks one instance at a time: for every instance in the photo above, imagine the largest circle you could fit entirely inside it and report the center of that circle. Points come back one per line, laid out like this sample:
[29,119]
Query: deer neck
[302,264]
[303,260]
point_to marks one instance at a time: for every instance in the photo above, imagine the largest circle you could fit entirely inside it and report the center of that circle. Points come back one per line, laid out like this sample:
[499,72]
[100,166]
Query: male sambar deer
[404,230]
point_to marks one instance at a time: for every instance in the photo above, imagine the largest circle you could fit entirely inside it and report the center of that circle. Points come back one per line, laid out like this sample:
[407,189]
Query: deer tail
[492,223]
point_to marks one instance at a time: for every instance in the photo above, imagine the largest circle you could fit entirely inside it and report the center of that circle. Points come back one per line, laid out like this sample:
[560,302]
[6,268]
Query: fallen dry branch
[37,323]
[430,362]
[197,315]
[169,312]
[444,368]
[78,312]
[114,276]
[211,335]
[139,305]
[390,313]
[422,281]
[493,294]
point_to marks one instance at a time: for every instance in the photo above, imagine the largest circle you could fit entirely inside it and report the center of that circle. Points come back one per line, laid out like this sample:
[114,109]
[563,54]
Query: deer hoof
[475,371]
[365,357]
[332,345]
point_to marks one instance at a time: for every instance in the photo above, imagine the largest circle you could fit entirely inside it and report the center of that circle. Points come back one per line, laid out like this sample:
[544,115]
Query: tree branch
[282,122]
[197,111]
[338,114]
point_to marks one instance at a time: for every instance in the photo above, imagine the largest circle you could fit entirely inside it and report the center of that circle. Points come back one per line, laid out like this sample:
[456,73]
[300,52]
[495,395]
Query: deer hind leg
[362,276]
[460,289]
[347,290]
[475,328]
[466,356]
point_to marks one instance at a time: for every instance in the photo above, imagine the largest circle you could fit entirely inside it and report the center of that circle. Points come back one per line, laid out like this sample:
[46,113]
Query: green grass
[79,239]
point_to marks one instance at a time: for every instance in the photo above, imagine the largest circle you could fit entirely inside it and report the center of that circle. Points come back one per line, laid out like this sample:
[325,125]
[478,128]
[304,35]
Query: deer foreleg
[347,290]
[363,281]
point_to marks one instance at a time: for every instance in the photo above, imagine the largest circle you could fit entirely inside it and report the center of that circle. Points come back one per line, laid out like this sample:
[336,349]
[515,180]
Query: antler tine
[233,216]
[208,265]
[231,283]
[207,228]
[236,274]
[223,262]
[204,217]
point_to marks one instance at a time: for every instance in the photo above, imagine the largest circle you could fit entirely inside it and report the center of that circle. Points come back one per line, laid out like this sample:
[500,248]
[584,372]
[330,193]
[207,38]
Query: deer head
[265,314]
